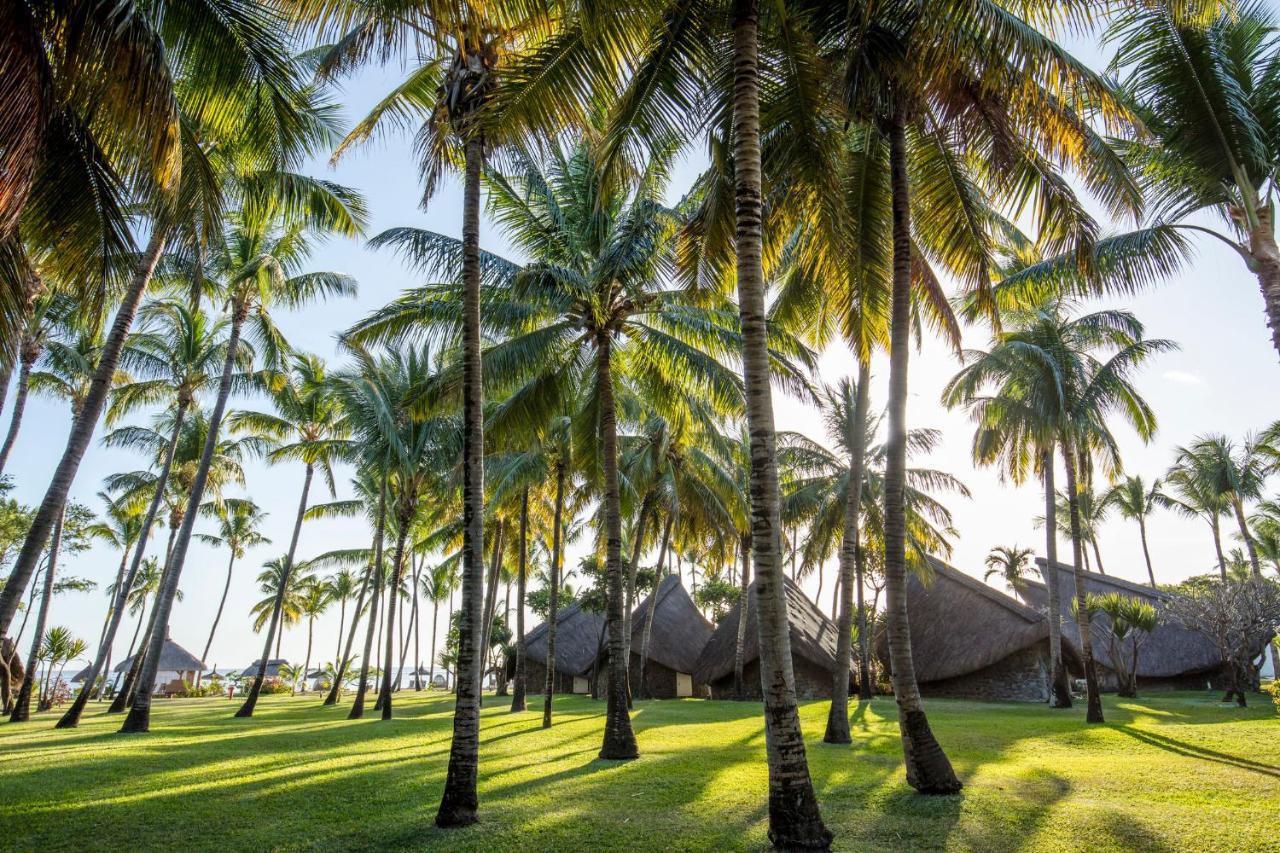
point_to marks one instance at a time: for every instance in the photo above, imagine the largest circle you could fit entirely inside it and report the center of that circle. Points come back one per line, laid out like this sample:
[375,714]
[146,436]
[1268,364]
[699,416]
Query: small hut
[813,650]
[970,641]
[677,638]
[579,637]
[1172,657]
[272,670]
[177,668]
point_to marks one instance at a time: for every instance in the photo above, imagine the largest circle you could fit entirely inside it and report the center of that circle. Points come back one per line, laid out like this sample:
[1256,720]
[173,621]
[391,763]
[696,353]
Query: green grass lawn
[1169,771]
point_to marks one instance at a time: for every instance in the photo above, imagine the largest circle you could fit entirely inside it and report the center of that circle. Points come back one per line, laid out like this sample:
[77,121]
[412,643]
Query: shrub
[1272,689]
[274,684]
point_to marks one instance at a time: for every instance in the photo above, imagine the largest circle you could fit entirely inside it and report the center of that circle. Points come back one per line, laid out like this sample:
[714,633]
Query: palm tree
[280,581]
[1193,496]
[239,522]
[22,704]
[307,427]
[49,316]
[231,149]
[1052,388]
[174,358]
[438,584]
[120,527]
[1135,500]
[317,595]
[255,265]
[1011,564]
[1203,90]
[1092,508]
[1235,473]
[342,588]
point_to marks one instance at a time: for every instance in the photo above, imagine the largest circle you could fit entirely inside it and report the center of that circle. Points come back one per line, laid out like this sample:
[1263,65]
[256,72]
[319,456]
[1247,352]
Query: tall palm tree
[1058,380]
[317,595]
[50,315]
[1193,496]
[1135,500]
[120,526]
[239,524]
[1010,564]
[1204,91]
[342,588]
[22,704]
[231,149]
[308,427]
[1235,473]
[254,266]
[283,582]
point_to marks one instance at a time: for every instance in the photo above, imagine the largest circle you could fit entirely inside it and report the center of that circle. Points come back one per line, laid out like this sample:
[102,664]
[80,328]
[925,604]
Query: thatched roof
[680,631]
[272,670]
[960,625]
[81,675]
[1171,650]
[578,637]
[173,658]
[813,636]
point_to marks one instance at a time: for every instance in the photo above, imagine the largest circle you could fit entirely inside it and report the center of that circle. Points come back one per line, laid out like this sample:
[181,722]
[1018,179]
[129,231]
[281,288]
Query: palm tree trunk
[102,659]
[518,702]
[306,665]
[491,594]
[139,719]
[342,624]
[1249,545]
[22,707]
[865,691]
[794,820]
[357,708]
[637,540]
[1216,528]
[417,642]
[217,617]
[619,738]
[435,617]
[1094,697]
[106,625]
[1265,265]
[344,653]
[740,641]
[459,803]
[82,430]
[647,634]
[1146,552]
[553,611]
[1059,686]
[838,716]
[397,567]
[19,405]
[928,768]
[251,701]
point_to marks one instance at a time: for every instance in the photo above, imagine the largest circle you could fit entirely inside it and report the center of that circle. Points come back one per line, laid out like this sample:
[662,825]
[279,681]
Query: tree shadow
[1190,750]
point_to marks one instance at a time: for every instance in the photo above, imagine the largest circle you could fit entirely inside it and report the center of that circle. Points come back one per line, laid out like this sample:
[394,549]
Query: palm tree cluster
[614,384]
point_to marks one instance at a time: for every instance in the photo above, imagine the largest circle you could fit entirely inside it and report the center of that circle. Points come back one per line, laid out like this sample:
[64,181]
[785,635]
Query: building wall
[812,681]
[1021,677]
[535,679]
[660,681]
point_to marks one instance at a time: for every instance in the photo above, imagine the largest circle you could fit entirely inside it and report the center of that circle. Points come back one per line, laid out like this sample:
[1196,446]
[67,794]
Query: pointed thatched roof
[680,631]
[578,637]
[173,658]
[81,675]
[813,636]
[272,670]
[1170,651]
[960,625]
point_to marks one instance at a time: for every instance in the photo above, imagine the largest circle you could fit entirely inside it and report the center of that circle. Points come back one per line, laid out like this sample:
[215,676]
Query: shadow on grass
[1190,750]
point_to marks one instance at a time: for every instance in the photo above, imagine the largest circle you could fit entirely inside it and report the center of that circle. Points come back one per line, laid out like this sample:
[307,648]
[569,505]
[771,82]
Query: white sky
[1221,380]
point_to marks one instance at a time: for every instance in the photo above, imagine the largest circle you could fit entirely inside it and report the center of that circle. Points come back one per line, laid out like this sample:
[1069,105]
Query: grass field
[1167,772]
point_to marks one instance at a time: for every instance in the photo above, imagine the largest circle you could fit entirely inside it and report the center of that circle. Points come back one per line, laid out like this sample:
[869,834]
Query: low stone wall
[812,682]
[1021,677]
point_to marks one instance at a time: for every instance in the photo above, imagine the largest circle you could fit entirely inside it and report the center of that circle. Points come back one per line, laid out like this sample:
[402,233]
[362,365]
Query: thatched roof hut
[177,665]
[579,638]
[1172,656]
[971,641]
[272,670]
[680,632]
[813,649]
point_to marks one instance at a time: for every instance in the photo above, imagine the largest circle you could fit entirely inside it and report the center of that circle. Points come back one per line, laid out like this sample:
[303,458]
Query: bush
[274,684]
[190,691]
[1272,689]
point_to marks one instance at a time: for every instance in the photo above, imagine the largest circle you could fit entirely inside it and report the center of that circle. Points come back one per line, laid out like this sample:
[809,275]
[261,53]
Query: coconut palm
[22,704]
[60,647]
[315,600]
[119,526]
[1234,472]
[308,427]
[50,315]
[1193,496]
[239,523]
[1011,564]
[284,582]
[342,588]
[1092,508]
[1056,381]
[1135,500]
[254,266]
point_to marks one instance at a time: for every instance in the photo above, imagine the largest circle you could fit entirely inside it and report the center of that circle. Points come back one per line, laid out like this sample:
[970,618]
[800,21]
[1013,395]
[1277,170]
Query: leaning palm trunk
[928,768]
[106,625]
[1264,262]
[1093,714]
[82,429]
[344,652]
[1058,684]
[1250,546]
[637,541]
[740,641]
[102,659]
[1216,528]
[251,701]
[794,820]
[22,707]
[460,801]
[553,611]
[397,567]
[19,406]
[123,696]
[1146,552]
[619,739]
[865,693]
[838,716]
[357,707]
[659,574]
[139,719]
[518,688]
[217,617]
[491,596]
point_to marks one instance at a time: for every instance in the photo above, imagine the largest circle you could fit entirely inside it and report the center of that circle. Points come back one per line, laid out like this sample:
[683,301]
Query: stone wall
[660,681]
[535,679]
[812,682]
[1021,677]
